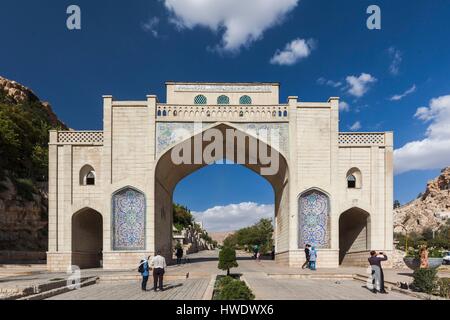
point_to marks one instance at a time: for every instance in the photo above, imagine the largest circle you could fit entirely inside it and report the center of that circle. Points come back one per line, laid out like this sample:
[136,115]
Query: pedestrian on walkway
[306,264]
[255,251]
[159,265]
[144,271]
[179,254]
[377,271]
[312,258]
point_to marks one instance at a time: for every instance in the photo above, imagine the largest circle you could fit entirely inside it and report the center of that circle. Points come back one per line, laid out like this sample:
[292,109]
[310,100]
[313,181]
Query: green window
[223,100]
[200,99]
[245,100]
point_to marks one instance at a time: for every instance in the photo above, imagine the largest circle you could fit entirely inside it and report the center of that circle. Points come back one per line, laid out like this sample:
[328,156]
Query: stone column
[389,190]
[292,182]
[106,170]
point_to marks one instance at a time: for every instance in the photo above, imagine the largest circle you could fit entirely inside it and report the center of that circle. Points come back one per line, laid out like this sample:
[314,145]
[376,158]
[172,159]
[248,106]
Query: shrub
[232,289]
[444,287]
[425,280]
[25,189]
[227,259]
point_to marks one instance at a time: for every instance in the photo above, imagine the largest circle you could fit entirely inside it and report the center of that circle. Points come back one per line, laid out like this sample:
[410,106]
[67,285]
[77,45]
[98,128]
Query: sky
[392,79]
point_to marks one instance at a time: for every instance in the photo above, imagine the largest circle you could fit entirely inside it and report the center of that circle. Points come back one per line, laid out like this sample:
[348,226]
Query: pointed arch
[87,238]
[128,219]
[314,218]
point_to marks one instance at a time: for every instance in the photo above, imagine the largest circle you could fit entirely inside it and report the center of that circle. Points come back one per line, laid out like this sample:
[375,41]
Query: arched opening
[223,100]
[245,100]
[314,219]
[87,239]
[200,99]
[354,179]
[351,182]
[169,173]
[354,235]
[87,176]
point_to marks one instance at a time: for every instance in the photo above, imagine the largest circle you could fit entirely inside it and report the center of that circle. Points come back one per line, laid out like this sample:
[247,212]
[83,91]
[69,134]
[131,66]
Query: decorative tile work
[128,220]
[266,132]
[168,134]
[314,219]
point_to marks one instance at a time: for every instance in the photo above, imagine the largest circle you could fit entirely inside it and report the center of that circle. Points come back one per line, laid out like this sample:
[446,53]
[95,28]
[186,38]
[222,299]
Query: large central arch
[168,174]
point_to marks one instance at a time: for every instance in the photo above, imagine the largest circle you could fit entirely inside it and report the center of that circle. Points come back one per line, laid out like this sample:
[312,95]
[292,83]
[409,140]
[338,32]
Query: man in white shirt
[158,264]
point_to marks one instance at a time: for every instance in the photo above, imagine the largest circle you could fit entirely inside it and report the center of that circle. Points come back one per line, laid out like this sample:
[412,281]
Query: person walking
[306,264]
[179,254]
[312,258]
[144,271]
[375,263]
[255,251]
[159,265]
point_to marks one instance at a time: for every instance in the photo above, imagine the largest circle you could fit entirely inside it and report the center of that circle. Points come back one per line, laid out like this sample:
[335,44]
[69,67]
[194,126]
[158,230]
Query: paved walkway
[307,289]
[190,289]
[190,281]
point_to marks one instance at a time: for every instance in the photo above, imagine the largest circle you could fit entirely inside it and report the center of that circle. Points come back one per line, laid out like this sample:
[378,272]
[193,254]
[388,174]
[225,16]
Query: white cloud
[331,83]
[397,58]
[356,126]
[358,86]
[234,216]
[239,22]
[398,97]
[293,52]
[344,106]
[432,152]
[151,25]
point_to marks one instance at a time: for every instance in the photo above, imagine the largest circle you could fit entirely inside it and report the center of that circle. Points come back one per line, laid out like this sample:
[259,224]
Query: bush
[25,189]
[444,287]
[232,289]
[425,280]
[227,259]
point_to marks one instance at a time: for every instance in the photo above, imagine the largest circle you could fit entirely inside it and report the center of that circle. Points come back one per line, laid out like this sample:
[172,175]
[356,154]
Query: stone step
[17,293]
[60,290]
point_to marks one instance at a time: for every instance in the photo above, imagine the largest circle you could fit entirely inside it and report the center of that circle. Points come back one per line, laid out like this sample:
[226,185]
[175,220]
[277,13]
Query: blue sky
[129,49]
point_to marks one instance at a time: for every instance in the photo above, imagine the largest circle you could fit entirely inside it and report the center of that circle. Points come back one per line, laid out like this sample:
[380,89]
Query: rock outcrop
[18,94]
[24,124]
[431,210]
[23,223]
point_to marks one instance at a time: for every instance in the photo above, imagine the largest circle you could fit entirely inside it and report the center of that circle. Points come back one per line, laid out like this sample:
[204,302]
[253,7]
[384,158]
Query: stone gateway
[110,191]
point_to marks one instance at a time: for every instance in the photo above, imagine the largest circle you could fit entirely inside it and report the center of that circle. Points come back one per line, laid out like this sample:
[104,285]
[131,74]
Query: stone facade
[125,176]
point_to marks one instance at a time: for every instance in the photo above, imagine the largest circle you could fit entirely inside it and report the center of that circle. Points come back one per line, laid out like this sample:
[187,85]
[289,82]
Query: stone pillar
[150,227]
[106,170]
[292,182]
[389,190]
[53,192]
[334,174]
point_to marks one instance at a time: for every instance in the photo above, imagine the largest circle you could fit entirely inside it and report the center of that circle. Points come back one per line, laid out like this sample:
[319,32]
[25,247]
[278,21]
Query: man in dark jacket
[179,254]
[306,264]
[377,270]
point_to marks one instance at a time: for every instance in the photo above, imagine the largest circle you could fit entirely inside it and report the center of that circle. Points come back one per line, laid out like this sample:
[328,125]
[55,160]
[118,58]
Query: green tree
[227,259]
[182,217]
[397,204]
[259,234]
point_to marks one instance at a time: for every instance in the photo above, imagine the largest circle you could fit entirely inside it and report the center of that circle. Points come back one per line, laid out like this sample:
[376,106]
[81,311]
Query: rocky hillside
[24,125]
[431,210]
